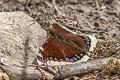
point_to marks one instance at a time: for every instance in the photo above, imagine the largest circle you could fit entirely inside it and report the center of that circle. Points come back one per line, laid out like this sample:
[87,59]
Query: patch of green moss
[112,67]
[105,49]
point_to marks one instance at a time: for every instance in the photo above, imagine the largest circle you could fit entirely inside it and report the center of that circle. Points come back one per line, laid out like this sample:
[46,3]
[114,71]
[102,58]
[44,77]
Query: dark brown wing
[66,47]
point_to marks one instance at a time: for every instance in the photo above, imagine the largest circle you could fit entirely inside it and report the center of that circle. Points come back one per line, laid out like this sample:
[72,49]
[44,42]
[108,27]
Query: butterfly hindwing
[61,51]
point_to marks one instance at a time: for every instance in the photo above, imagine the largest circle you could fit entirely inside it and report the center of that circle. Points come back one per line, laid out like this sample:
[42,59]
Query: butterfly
[65,46]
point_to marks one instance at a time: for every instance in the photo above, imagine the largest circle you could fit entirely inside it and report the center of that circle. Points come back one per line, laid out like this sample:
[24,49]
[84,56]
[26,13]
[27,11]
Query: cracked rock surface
[20,38]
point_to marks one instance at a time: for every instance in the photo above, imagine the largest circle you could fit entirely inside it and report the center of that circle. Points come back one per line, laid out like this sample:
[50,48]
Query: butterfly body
[66,46]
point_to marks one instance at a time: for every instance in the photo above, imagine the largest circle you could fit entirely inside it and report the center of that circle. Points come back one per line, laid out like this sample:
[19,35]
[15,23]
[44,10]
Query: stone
[20,38]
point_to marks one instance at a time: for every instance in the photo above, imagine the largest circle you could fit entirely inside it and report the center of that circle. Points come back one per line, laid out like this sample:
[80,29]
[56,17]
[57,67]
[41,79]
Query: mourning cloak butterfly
[66,46]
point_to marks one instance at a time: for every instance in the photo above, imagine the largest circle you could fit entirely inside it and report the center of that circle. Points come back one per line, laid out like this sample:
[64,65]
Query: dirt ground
[99,17]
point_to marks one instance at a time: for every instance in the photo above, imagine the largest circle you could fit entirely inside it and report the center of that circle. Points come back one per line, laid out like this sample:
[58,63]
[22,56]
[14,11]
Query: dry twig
[56,8]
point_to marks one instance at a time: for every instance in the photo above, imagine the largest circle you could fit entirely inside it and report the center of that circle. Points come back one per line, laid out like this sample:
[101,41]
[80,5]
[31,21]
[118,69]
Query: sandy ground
[100,17]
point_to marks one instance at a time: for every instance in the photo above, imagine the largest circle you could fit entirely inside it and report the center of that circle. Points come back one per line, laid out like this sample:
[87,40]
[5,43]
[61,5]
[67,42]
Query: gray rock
[20,38]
